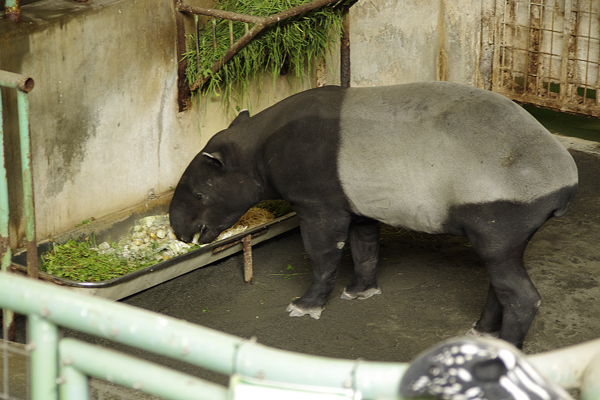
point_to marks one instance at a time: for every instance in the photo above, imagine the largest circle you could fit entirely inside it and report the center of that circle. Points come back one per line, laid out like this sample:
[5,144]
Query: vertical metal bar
[183,87]
[551,50]
[564,65]
[587,58]
[12,10]
[80,360]
[43,342]
[540,49]
[345,50]
[197,33]
[73,384]
[499,39]
[514,9]
[27,170]
[8,317]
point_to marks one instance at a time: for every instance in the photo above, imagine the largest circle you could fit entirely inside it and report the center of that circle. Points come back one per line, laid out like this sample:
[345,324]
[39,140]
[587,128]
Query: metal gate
[547,53]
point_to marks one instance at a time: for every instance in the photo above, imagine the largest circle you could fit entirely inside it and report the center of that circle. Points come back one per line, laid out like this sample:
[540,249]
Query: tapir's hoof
[297,311]
[475,333]
[361,295]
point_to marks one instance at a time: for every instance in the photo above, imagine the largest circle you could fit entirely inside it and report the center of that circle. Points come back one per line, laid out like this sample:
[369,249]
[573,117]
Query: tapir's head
[216,189]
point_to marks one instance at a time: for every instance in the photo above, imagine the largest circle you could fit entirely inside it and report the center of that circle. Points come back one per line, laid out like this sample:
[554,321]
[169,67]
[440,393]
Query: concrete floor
[433,288]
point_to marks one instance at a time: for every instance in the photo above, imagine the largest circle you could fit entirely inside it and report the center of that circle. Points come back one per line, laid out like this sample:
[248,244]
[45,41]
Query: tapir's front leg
[324,236]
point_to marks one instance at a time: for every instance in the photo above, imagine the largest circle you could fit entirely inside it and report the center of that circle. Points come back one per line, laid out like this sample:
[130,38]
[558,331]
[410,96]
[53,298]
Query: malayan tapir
[432,157]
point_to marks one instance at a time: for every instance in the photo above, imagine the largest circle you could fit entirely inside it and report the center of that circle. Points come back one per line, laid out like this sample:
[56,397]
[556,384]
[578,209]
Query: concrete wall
[106,130]
[415,40]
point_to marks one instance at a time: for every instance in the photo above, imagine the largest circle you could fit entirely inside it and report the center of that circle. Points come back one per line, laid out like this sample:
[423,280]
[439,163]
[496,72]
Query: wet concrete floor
[434,288]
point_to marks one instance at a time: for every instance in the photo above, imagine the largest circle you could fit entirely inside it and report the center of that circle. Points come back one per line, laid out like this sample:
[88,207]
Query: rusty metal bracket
[247,248]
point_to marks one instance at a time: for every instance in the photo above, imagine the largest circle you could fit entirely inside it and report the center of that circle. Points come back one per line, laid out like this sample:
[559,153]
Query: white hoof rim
[296,311]
[361,295]
[475,333]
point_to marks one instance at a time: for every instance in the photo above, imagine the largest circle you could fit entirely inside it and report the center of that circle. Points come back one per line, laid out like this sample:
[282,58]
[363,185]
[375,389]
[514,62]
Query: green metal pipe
[24,85]
[16,81]
[8,317]
[127,371]
[197,345]
[227,354]
[5,253]
[73,384]
[43,342]
[27,171]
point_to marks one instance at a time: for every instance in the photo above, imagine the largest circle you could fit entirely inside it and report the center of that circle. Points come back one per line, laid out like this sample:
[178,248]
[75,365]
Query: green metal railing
[59,368]
[23,85]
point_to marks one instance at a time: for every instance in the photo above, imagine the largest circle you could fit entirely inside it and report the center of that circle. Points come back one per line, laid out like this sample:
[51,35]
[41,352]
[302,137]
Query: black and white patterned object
[476,368]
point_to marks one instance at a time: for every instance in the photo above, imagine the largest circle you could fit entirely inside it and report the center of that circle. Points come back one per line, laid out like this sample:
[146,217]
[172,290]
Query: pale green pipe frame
[197,345]
[23,105]
[228,354]
[583,358]
[43,342]
[8,316]
[118,368]
[73,384]
[27,170]
[4,209]
[24,85]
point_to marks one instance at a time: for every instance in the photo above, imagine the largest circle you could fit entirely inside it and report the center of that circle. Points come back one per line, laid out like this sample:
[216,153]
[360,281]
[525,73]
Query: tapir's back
[410,152]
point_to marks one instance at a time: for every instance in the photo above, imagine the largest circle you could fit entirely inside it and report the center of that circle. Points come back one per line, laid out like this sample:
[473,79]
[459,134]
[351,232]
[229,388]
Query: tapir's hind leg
[324,236]
[512,300]
[515,295]
[364,244]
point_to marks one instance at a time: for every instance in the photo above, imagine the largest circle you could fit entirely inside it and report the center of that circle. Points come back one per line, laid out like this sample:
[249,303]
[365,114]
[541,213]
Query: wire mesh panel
[547,52]
[14,371]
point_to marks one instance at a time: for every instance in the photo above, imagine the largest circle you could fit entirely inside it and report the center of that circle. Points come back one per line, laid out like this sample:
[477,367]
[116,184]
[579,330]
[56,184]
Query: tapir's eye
[199,196]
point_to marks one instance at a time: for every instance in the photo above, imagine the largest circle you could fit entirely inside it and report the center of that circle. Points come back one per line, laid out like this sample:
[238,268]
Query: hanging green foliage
[290,45]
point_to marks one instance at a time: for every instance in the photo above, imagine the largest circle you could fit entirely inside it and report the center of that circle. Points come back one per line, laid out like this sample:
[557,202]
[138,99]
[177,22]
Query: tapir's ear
[242,116]
[214,159]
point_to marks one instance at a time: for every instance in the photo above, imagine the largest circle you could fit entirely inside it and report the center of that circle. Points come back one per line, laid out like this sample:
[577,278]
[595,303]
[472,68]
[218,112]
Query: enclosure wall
[105,125]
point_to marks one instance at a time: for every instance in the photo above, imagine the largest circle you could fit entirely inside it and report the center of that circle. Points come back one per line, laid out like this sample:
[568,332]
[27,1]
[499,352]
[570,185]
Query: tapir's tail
[565,198]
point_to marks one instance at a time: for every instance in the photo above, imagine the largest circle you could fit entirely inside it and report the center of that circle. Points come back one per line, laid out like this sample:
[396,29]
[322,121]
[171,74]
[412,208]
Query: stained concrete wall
[415,40]
[106,130]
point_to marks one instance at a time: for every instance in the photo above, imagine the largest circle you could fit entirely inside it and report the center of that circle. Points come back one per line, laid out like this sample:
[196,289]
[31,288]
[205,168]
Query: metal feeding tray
[115,226]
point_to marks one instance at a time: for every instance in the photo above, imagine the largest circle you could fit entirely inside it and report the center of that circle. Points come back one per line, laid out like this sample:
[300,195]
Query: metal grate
[547,52]
[14,371]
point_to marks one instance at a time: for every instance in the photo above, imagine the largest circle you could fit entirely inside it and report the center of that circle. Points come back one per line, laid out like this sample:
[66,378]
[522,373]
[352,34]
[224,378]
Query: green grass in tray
[84,261]
[77,261]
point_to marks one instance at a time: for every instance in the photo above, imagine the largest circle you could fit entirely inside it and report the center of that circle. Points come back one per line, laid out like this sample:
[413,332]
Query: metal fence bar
[47,305]
[43,342]
[118,368]
[74,384]
[24,85]
[547,53]
[27,171]
[187,342]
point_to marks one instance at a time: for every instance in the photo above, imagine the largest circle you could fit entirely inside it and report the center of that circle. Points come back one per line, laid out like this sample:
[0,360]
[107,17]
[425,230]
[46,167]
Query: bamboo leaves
[289,46]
